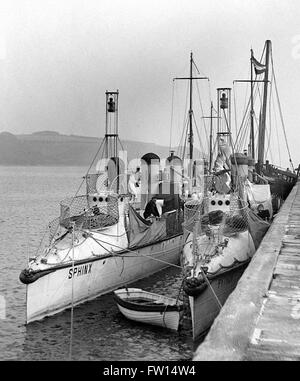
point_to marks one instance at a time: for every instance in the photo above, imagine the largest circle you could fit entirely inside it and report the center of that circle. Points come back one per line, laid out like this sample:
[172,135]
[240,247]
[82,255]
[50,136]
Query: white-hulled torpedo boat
[149,308]
[225,229]
[101,241]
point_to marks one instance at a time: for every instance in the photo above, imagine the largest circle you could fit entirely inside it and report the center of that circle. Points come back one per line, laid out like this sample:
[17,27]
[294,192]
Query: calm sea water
[29,199]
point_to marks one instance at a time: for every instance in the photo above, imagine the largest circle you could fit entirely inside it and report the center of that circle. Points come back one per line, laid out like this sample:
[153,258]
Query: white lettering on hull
[80,270]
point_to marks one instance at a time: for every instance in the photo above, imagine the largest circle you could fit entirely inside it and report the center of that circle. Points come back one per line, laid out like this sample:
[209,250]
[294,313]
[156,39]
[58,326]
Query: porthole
[213,202]
[100,199]
[227,202]
[220,202]
[106,199]
[121,199]
[95,199]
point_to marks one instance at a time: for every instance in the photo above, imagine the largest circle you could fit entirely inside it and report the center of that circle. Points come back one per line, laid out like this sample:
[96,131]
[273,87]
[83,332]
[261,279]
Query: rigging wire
[197,130]
[209,89]
[78,189]
[245,124]
[246,94]
[201,107]
[94,158]
[185,140]
[234,109]
[246,107]
[172,114]
[211,288]
[242,124]
[185,120]
[72,296]
[268,128]
[276,128]
[120,142]
[213,148]
[127,250]
[177,103]
[182,145]
[245,132]
[281,116]
[256,121]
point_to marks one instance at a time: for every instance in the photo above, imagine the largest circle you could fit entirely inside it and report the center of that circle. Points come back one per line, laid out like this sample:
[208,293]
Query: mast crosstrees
[259,69]
[190,79]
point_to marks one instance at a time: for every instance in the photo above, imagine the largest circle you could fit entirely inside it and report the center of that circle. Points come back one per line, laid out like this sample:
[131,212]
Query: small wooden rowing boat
[146,307]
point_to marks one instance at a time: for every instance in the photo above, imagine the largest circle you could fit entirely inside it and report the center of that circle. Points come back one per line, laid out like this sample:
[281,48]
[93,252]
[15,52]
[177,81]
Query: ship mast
[252,111]
[111,124]
[191,134]
[262,119]
[191,109]
[111,132]
[210,137]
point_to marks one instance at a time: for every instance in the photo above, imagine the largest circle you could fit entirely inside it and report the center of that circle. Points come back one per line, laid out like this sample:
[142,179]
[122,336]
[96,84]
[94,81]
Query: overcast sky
[57,59]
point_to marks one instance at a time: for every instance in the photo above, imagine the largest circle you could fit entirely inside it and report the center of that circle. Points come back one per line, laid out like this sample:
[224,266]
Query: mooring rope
[210,286]
[281,115]
[135,254]
[72,300]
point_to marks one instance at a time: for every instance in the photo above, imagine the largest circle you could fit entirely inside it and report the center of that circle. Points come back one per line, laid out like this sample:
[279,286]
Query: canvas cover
[259,194]
[142,232]
[257,227]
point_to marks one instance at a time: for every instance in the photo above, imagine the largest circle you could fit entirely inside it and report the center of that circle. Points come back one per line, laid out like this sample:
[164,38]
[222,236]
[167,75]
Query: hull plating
[57,290]
[204,306]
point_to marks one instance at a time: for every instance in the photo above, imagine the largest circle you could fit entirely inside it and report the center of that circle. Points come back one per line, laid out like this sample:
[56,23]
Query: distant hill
[52,148]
